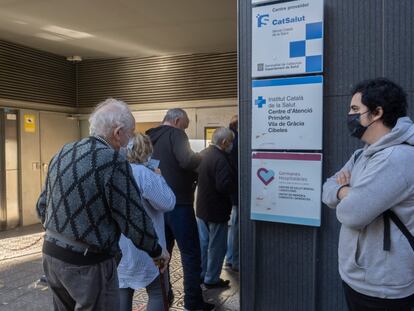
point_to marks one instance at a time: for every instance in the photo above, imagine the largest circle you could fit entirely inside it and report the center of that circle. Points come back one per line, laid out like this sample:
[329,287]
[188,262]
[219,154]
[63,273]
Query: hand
[162,261]
[157,171]
[343,192]
[343,178]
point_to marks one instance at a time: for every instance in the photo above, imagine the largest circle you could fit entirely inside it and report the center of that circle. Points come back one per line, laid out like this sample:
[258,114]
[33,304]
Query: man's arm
[125,203]
[331,187]
[382,187]
[187,158]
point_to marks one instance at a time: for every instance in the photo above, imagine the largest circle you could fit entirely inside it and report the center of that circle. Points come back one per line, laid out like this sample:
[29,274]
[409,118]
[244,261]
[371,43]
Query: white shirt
[136,269]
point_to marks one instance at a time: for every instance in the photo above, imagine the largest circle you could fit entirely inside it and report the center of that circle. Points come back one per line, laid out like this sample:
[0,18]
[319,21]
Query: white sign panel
[287,113]
[286,187]
[287,38]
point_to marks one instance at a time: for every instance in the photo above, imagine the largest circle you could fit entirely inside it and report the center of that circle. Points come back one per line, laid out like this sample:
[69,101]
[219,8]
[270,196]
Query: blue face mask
[124,150]
[130,144]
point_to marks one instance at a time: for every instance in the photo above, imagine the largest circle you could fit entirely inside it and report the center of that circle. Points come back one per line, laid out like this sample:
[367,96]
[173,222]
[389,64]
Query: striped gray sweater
[90,196]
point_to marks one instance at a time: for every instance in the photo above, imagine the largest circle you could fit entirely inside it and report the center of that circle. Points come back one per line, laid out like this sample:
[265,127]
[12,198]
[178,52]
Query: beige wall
[30,173]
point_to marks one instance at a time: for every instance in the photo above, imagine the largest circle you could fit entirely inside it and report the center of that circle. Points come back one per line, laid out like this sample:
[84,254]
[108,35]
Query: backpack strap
[387,215]
[357,155]
[387,232]
[390,215]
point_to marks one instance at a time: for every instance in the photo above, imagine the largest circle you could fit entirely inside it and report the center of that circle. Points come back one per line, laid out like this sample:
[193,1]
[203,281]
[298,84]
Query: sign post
[287,38]
[286,187]
[287,113]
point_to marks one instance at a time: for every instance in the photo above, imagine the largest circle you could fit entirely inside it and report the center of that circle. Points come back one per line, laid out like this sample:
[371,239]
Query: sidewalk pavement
[21,270]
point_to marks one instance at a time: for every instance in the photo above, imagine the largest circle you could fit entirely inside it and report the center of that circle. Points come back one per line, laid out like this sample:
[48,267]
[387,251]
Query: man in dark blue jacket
[216,183]
[178,164]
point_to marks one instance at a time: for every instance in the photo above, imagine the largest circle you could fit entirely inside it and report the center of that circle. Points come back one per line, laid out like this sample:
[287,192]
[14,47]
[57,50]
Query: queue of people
[114,205]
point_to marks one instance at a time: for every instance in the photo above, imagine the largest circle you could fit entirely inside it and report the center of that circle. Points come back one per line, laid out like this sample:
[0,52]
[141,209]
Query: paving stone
[20,271]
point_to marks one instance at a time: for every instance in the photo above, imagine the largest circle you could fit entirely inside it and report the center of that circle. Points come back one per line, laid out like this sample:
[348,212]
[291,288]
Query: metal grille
[158,79]
[30,75]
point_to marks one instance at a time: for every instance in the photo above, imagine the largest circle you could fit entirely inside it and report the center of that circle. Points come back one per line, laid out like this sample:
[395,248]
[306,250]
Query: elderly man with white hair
[216,183]
[89,198]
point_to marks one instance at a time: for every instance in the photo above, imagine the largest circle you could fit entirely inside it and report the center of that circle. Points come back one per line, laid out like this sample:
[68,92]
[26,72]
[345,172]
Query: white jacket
[136,269]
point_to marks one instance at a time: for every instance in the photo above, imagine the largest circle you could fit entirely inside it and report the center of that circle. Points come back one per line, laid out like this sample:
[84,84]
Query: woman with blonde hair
[136,269]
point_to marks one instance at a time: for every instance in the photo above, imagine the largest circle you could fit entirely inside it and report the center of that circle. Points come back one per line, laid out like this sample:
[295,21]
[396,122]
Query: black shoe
[205,307]
[220,284]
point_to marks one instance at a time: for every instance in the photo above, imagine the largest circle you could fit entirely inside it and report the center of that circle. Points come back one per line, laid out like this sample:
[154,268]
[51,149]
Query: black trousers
[359,302]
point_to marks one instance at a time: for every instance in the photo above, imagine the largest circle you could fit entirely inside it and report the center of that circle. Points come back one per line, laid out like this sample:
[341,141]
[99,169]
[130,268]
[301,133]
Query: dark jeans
[82,288]
[359,302]
[154,292]
[180,225]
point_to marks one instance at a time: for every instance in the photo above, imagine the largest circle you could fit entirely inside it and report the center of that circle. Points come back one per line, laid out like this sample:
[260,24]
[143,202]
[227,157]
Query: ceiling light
[67,32]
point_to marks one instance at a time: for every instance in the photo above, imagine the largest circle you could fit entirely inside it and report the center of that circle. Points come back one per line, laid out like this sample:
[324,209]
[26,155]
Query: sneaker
[220,284]
[205,307]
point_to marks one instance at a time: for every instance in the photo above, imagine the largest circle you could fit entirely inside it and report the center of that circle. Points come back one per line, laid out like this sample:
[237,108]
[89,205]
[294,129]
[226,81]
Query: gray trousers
[82,288]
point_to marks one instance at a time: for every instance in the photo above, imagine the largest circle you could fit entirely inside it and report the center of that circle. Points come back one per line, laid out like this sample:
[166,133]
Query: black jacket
[216,182]
[177,161]
[234,160]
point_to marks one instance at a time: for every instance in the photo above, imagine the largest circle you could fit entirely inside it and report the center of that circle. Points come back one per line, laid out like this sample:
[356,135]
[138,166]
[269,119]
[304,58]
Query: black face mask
[354,125]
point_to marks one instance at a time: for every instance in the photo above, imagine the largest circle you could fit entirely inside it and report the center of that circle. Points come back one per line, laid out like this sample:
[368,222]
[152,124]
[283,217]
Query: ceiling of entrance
[121,28]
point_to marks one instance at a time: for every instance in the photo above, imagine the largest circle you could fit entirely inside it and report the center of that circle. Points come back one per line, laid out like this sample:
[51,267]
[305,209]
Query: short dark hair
[382,92]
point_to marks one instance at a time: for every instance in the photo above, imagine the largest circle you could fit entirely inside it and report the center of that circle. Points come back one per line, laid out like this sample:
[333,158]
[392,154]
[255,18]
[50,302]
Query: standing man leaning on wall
[178,164]
[373,193]
[89,198]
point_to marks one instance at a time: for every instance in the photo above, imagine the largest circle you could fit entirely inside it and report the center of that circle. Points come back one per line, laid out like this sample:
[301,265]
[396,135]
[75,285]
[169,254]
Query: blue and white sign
[287,38]
[286,187]
[287,113]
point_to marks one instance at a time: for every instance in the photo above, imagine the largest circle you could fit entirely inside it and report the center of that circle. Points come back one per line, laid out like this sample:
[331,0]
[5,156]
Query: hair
[140,150]
[221,134]
[234,122]
[173,114]
[108,115]
[381,92]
